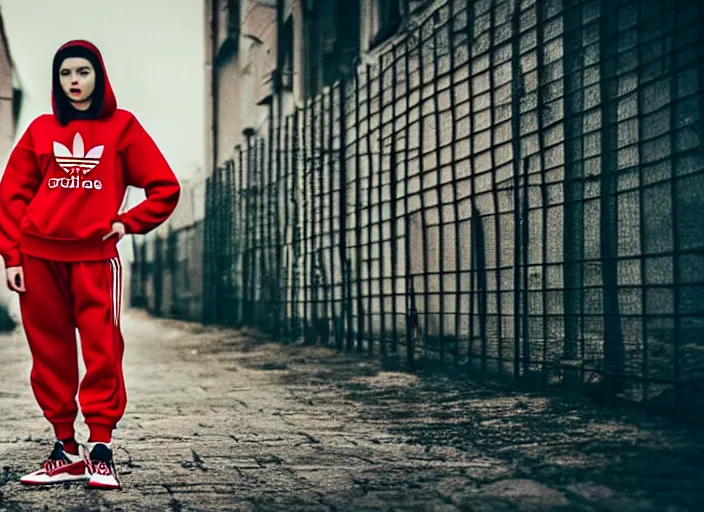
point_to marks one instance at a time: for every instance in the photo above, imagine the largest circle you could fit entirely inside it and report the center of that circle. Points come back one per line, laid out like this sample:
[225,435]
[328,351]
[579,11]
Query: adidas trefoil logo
[78,161]
[77,164]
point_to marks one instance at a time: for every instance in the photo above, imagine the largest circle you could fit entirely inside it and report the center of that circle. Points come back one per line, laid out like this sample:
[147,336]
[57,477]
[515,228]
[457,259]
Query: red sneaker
[59,467]
[101,468]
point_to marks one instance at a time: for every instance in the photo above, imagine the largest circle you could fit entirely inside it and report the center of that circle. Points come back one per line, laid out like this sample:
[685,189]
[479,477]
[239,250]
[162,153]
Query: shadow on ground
[526,445]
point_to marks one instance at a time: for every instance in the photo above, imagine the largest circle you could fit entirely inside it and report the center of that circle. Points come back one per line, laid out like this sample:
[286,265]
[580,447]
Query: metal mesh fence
[512,188]
[166,276]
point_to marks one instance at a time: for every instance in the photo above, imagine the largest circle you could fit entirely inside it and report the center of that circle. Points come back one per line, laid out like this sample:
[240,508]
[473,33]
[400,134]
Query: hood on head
[104,103]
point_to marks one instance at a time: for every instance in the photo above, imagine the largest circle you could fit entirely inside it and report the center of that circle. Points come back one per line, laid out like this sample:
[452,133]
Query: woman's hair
[65,109]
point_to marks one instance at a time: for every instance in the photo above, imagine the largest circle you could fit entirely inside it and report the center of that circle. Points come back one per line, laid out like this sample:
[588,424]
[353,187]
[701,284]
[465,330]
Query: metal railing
[513,188]
[167,274]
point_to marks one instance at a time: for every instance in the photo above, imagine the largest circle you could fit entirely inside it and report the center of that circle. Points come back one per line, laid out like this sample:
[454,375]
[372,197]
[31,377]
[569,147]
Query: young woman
[59,226]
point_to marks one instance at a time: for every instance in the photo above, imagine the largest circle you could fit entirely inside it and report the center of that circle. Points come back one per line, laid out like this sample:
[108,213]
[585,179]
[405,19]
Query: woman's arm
[148,169]
[19,184]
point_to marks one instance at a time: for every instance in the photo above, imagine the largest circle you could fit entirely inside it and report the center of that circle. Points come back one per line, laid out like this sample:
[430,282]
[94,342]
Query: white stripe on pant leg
[113,290]
[119,289]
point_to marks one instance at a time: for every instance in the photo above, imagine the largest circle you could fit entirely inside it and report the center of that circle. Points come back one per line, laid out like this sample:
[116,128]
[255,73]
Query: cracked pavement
[225,420]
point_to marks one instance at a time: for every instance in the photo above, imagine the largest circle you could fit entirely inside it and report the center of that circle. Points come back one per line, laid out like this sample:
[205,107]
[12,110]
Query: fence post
[357,215]
[411,317]
[248,227]
[370,174]
[171,252]
[573,215]
[345,319]
[243,233]
[208,311]
[613,336]
[229,240]
[516,93]
[158,275]
[296,235]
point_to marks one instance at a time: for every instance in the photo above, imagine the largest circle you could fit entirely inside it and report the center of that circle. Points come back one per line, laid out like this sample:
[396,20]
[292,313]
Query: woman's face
[77,78]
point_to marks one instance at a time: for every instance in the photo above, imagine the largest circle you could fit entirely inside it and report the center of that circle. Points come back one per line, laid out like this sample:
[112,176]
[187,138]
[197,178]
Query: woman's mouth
[75,91]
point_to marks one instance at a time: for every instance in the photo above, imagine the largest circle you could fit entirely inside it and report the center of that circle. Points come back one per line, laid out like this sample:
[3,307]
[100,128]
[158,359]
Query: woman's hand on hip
[118,229]
[15,279]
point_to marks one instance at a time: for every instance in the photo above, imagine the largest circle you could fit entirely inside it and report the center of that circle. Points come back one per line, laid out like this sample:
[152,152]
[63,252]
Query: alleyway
[222,421]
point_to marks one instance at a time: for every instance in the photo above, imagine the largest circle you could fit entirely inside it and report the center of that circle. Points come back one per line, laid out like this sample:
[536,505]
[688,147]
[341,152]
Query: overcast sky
[153,50]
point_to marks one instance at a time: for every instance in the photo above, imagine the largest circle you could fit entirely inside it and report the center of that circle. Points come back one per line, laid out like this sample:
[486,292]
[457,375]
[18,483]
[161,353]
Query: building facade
[10,96]
[10,101]
[265,57]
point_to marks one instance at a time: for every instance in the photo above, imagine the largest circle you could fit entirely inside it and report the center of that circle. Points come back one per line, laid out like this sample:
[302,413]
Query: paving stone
[225,420]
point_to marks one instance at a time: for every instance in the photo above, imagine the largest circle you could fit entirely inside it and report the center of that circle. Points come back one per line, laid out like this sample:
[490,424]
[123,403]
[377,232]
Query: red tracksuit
[61,191]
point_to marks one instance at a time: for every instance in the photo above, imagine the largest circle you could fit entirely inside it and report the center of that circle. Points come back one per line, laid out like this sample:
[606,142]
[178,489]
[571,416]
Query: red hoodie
[63,185]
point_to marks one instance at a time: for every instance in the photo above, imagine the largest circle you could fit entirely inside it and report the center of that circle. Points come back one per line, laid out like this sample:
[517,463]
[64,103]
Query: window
[388,16]
[333,36]
[347,44]
[390,12]
[340,41]
[228,27]
[287,58]
[233,17]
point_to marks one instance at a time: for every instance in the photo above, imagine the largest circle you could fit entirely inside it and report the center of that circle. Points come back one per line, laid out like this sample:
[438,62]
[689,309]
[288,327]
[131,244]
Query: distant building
[10,96]
[10,100]
[319,41]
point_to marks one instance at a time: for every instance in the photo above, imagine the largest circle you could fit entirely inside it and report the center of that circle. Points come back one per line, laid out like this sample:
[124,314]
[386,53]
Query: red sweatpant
[61,297]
